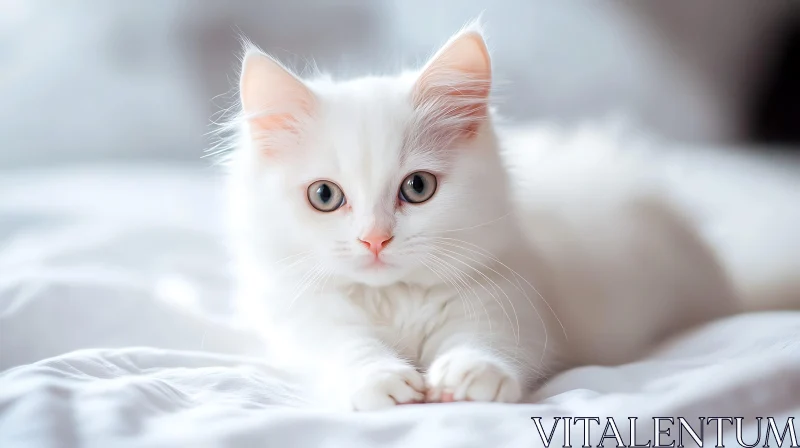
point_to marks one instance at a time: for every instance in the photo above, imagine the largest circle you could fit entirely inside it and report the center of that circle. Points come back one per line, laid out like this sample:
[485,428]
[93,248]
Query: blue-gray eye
[418,187]
[325,196]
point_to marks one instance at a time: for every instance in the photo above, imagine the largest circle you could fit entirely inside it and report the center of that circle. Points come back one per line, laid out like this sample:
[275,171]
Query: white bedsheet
[108,276]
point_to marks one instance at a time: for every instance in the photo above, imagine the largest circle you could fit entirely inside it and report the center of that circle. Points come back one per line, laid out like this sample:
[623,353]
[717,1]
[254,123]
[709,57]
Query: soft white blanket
[113,329]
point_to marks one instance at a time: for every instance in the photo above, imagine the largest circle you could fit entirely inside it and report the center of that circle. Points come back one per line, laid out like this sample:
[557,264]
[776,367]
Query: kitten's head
[371,179]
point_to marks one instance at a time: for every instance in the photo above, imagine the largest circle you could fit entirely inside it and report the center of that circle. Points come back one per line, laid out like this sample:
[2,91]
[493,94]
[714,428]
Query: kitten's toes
[387,387]
[464,375]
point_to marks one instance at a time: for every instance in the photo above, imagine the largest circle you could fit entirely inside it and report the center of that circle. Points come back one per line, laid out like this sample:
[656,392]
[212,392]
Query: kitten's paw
[465,375]
[386,387]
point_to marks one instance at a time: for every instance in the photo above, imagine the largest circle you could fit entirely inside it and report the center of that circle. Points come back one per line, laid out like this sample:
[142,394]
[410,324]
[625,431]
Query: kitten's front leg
[380,379]
[356,371]
[466,370]
[344,362]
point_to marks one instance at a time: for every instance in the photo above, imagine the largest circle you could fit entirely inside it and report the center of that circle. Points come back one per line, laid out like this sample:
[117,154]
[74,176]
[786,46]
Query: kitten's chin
[377,275]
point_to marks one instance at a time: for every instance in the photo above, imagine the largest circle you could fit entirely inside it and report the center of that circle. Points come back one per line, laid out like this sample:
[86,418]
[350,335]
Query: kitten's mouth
[376,263]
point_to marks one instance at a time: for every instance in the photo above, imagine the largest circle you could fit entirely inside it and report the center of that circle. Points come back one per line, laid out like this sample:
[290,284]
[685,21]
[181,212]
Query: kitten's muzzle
[376,242]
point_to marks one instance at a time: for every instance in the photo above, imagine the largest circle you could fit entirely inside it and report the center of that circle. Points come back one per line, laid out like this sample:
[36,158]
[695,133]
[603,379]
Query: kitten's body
[500,278]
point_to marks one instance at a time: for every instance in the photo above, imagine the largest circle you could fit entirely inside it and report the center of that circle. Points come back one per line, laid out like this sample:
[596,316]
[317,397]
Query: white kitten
[382,245]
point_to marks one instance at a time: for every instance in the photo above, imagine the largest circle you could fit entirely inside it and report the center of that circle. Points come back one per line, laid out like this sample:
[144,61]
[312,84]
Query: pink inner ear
[273,99]
[463,105]
[275,122]
[454,87]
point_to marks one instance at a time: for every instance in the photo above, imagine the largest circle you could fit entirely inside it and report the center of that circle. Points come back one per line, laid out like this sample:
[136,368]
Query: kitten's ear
[454,86]
[272,97]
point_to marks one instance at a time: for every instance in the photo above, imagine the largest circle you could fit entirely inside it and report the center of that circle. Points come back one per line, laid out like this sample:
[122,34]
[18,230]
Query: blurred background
[98,80]
[105,107]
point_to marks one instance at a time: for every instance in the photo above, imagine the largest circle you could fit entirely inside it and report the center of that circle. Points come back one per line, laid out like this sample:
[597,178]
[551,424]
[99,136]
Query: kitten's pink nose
[376,241]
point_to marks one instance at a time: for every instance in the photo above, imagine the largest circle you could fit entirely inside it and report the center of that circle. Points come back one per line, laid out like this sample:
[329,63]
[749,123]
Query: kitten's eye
[325,196]
[418,187]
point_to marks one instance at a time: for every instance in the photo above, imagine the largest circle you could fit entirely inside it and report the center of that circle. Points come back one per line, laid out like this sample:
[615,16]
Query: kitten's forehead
[362,130]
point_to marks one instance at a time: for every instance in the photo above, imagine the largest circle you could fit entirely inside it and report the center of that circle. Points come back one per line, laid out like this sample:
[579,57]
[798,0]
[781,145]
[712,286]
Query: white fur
[536,252]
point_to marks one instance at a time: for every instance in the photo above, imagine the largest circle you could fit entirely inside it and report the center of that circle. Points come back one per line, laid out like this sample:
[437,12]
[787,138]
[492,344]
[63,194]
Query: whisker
[293,256]
[519,288]
[328,276]
[516,275]
[459,290]
[315,275]
[495,285]
[295,263]
[454,243]
[475,226]
[462,286]
[445,281]
[460,274]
